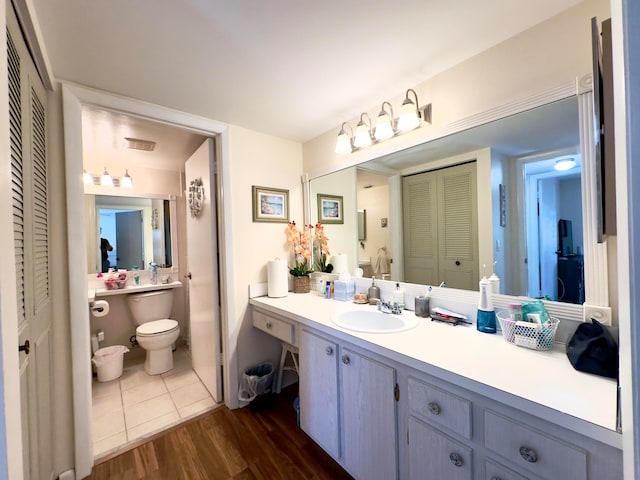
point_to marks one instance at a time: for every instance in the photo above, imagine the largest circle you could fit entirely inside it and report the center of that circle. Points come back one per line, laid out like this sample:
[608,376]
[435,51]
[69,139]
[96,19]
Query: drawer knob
[529,454]
[434,408]
[346,359]
[495,478]
[329,351]
[269,325]
[456,459]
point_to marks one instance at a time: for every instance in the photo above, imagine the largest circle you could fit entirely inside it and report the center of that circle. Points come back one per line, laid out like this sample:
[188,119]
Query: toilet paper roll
[340,263]
[277,278]
[99,308]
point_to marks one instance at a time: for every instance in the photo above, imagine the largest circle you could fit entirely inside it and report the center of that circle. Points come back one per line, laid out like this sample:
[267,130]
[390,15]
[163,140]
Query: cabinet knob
[457,263]
[329,350]
[456,459]
[345,359]
[495,478]
[434,408]
[269,325]
[529,454]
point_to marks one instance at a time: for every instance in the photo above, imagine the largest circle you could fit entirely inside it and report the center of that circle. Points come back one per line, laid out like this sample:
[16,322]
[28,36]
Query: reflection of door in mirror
[374,199]
[129,243]
[553,215]
[441,227]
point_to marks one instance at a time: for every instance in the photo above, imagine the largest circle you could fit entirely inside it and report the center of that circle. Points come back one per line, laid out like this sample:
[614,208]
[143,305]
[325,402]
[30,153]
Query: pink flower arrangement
[301,243]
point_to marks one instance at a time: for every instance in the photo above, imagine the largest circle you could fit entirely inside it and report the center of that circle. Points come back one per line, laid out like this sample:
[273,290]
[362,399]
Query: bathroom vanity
[443,401]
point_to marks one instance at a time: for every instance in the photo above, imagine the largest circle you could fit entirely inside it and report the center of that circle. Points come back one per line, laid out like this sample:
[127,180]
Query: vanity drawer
[494,471]
[436,406]
[546,456]
[274,326]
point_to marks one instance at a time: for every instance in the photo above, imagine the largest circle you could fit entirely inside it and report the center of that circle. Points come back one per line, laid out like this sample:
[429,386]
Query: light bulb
[343,144]
[362,137]
[384,130]
[564,164]
[408,116]
[87,178]
[127,181]
[106,180]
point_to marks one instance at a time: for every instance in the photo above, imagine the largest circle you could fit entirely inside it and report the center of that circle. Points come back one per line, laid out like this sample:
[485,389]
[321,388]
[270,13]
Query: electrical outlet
[100,336]
[601,314]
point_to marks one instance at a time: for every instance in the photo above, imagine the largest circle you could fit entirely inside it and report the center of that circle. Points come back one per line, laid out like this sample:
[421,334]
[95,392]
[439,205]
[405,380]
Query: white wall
[263,160]
[375,201]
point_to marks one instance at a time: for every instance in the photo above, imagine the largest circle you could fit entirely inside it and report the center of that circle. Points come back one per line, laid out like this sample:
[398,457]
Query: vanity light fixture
[363,132]
[127,181]
[409,113]
[87,178]
[385,127]
[564,164]
[106,180]
[344,143]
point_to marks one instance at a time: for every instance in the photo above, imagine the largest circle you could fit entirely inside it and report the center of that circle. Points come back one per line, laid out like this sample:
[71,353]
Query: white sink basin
[373,321]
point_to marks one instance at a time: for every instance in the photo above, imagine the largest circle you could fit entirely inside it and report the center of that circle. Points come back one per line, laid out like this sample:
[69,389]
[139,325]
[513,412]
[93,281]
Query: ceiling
[290,69]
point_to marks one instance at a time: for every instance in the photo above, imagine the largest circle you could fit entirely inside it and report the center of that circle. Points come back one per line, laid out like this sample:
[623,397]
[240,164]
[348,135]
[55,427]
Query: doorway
[553,214]
[74,98]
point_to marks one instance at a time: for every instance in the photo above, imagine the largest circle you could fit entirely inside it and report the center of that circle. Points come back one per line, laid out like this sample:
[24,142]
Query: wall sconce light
[127,181]
[564,164]
[344,144]
[385,123]
[363,132]
[106,180]
[409,113]
[411,117]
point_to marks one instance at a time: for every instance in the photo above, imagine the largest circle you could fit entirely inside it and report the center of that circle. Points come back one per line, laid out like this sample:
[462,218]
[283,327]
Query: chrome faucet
[153,267]
[387,307]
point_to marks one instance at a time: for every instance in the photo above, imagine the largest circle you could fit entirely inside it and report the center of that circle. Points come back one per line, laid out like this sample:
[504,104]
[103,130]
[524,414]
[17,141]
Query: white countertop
[147,287]
[543,377]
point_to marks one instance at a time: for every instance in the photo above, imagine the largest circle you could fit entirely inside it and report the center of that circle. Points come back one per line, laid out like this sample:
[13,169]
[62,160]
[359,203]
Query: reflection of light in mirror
[563,164]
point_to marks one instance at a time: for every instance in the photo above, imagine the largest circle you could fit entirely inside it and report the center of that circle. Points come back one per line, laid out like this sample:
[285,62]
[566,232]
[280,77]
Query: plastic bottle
[327,290]
[486,318]
[136,274]
[398,296]
[515,311]
[494,280]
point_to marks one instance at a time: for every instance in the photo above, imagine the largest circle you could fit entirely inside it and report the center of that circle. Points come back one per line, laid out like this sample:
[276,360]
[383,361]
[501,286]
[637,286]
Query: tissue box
[344,290]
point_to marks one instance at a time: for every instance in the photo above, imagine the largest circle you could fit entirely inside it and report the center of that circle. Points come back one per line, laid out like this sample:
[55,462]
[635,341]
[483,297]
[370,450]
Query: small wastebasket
[109,361]
[256,381]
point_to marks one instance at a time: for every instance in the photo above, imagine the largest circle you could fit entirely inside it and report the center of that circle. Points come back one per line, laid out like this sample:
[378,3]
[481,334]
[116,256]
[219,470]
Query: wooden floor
[229,444]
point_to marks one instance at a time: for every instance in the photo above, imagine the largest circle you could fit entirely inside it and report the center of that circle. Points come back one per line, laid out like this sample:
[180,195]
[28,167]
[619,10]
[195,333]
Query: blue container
[486,321]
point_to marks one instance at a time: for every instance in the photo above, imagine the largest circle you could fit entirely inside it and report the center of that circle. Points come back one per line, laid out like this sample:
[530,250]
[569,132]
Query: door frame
[73,99]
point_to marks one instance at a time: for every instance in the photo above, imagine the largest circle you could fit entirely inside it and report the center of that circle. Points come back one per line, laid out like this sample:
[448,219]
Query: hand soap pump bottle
[136,274]
[374,292]
[398,296]
[486,318]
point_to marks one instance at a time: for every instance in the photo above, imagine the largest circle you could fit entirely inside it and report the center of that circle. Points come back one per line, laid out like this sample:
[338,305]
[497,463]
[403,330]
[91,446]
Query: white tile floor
[138,405]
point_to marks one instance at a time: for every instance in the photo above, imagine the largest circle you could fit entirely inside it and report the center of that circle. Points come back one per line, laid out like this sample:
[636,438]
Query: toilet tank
[150,306]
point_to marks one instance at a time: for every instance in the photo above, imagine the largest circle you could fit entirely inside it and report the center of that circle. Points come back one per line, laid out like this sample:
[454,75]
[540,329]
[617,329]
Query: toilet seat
[156,327]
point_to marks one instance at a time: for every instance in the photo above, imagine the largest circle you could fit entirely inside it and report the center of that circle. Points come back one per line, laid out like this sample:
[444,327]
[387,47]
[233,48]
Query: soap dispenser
[374,292]
[154,273]
[398,296]
[486,319]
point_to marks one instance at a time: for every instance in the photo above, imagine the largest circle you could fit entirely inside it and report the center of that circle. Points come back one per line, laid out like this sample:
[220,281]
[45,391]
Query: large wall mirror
[490,198]
[123,232]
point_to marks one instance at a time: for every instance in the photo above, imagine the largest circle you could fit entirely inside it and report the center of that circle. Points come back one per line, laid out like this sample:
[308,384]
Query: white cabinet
[360,430]
[319,391]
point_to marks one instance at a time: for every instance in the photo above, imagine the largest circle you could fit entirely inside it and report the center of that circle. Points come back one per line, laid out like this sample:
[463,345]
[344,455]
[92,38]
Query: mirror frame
[595,254]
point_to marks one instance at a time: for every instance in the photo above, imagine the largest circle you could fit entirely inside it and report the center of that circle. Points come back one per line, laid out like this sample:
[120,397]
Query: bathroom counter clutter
[147,287]
[542,383]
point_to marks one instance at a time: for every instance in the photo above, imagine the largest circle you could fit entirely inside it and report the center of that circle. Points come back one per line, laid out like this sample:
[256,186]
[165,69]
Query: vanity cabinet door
[433,454]
[369,416]
[319,391]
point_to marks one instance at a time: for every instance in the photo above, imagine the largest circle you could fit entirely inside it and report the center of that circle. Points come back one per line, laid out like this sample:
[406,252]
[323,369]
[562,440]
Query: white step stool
[293,351]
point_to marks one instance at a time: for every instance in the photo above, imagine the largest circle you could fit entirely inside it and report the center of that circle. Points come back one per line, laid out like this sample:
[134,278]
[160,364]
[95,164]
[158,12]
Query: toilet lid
[157,326]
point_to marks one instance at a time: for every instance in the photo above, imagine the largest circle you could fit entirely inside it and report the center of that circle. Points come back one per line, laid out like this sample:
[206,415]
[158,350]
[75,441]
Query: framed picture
[270,204]
[330,209]
[503,205]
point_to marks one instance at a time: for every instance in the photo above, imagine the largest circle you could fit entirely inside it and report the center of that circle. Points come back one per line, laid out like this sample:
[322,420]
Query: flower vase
[301,284]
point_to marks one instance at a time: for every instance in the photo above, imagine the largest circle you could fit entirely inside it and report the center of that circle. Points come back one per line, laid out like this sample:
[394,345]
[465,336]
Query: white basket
[528,334]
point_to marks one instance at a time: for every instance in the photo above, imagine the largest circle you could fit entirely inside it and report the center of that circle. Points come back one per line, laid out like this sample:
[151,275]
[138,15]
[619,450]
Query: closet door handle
[24,347]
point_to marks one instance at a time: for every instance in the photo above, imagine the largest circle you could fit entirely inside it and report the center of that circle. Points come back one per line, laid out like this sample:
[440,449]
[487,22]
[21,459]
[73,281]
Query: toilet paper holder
[99,308]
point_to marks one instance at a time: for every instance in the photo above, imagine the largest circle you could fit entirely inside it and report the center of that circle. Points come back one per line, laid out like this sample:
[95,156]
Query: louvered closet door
[458,226]
[27,99]
[419,201]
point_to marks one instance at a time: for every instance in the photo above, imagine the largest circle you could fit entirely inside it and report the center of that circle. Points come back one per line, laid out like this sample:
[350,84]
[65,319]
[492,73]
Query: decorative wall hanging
[196,197]
[270,204]
[330,209]
[154,219]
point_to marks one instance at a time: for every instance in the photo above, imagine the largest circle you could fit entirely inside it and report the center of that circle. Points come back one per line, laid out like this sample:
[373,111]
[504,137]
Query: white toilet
[156,332]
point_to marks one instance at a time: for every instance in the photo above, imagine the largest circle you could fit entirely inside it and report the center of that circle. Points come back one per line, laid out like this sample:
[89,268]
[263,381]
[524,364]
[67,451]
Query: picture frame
[503,205]
[330,209]
[270,204]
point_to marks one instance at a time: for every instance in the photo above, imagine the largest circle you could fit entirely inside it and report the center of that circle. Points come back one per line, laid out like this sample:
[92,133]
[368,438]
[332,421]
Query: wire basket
[528,334]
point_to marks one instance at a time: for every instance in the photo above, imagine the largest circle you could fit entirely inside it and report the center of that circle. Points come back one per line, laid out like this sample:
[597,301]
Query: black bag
[592,349]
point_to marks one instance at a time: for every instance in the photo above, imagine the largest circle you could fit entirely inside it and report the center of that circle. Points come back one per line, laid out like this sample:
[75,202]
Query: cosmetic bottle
[486,319]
